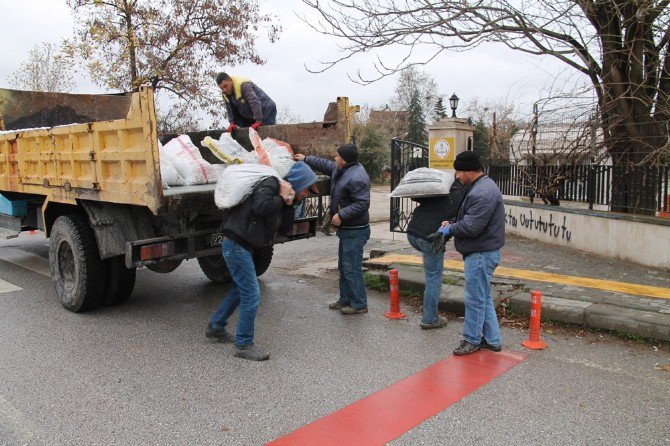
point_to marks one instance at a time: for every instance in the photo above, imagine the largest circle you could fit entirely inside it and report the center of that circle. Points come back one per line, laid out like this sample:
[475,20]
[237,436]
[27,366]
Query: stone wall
[640,239]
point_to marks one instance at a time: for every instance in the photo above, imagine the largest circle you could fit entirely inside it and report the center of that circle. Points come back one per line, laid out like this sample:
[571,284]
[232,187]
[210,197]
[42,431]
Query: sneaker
[439,323]
[487,346]
[218,335]
[466,348]
[337,305]
[351,310]
[251,352]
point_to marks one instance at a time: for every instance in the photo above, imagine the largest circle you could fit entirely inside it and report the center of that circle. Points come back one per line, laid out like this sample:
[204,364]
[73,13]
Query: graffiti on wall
[525,219]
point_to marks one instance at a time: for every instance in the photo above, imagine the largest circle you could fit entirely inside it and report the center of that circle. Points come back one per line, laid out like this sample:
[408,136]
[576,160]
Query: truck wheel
[120,281]
[215,268]
[262,259]
[76,268]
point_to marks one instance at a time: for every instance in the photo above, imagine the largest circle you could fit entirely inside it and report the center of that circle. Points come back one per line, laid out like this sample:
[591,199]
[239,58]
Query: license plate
[215,239]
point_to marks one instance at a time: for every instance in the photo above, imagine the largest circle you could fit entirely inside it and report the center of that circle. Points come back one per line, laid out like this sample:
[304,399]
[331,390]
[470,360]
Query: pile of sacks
[270,158]
[183,165]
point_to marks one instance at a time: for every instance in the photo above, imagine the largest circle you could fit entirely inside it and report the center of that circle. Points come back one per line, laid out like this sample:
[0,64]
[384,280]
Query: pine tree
[440,111]
[417,125]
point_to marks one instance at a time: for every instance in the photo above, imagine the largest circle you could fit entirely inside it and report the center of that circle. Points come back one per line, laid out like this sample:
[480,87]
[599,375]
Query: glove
[255,125]
[440,239]
[230,128]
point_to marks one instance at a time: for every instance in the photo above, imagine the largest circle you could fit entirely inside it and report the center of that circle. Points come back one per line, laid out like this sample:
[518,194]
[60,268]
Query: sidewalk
[577,287]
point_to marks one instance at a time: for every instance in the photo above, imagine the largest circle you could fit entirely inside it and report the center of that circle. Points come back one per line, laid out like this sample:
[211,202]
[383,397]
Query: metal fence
[405,156]
[590,184]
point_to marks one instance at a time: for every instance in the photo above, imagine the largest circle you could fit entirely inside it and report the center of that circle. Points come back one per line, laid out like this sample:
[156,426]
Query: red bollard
[534,342]
[394,295]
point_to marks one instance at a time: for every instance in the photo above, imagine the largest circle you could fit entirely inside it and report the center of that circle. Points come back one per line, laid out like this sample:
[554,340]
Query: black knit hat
[467,162]
[348,152]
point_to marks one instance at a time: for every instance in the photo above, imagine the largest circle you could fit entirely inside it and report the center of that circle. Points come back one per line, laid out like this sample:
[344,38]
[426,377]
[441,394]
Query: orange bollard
[394,295]
[534,342]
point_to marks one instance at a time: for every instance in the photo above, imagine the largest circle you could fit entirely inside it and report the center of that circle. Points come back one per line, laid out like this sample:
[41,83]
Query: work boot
[351,310]
[336,305]
[218,335]
[251,352]
[466,348]
[487,346]
[439,323]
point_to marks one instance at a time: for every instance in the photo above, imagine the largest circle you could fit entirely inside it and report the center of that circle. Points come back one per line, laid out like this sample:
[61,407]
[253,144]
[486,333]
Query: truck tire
[262,259]
[76,268]
[120,281]
[215,268]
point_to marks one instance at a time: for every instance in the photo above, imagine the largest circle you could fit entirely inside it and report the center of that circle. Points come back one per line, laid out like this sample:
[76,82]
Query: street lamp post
[453,102]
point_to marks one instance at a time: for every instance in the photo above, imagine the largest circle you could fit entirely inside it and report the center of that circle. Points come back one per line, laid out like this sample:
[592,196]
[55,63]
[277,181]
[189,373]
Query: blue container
[15,208]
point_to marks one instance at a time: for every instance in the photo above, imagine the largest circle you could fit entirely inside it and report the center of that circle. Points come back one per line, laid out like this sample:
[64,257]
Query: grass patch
[374,282]
[449,280]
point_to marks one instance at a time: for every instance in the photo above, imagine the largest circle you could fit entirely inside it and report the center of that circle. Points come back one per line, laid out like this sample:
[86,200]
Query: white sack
[271,152]
[226,149]
[237,182]
[424,182]
[169,175]
[280,154]
[219,168]
[189,163]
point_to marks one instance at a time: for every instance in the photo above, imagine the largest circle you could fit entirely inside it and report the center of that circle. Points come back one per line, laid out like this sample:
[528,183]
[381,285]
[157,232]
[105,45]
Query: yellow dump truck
[85,169]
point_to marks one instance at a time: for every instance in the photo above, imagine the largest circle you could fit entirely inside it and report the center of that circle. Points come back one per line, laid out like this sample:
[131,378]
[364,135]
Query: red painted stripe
[389,413]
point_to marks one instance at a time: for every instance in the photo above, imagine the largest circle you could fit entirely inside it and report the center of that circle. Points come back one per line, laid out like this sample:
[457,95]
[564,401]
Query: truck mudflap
[195,244]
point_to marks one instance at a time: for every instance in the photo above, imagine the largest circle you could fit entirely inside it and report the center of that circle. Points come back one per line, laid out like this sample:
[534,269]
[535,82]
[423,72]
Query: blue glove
[444,230]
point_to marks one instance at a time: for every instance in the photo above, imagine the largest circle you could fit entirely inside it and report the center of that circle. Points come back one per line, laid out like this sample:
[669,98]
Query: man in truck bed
[247,105]
[252,225]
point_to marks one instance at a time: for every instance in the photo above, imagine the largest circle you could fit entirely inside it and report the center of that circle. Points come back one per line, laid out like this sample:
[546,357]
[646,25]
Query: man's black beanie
[467,162]
[348,152]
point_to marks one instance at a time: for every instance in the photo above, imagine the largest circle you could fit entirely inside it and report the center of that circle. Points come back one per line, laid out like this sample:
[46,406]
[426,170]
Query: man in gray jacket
[479,233]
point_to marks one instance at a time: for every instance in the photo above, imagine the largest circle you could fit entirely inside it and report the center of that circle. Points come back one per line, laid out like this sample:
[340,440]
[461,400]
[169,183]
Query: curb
[604,316]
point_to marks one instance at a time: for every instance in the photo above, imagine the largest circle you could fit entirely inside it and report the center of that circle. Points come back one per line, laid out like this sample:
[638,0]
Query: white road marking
[6,287]
[26,260]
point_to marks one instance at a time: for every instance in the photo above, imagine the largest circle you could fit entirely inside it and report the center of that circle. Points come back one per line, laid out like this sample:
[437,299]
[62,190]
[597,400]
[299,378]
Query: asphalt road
[143,372]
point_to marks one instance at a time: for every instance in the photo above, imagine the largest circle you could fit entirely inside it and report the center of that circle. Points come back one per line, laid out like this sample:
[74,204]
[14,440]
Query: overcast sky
[489,72]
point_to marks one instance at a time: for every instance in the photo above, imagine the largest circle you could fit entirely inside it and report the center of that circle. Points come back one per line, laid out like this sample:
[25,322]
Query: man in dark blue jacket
[479,233]
[246,103]
[252,225]
[349,204]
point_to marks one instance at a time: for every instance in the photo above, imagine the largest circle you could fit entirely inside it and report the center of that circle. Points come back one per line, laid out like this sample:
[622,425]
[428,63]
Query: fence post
[319,210]
[591,187]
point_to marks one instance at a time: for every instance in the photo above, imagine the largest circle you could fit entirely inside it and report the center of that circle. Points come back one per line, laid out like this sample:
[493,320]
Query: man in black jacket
[421,230]
[252,225]
[349,204]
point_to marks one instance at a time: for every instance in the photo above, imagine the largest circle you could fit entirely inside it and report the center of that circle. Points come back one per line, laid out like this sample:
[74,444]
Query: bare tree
[500,119]
[174,45]
[45,69]
[621,46]
[286,116]
[412,79]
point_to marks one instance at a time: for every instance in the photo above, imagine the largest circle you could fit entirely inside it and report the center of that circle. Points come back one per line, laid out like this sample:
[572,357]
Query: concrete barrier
[640,239]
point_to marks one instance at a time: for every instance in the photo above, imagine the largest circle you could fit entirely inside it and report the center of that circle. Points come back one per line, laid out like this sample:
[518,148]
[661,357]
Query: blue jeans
[350,264]
[433,266]
[244,293]
[480,314]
